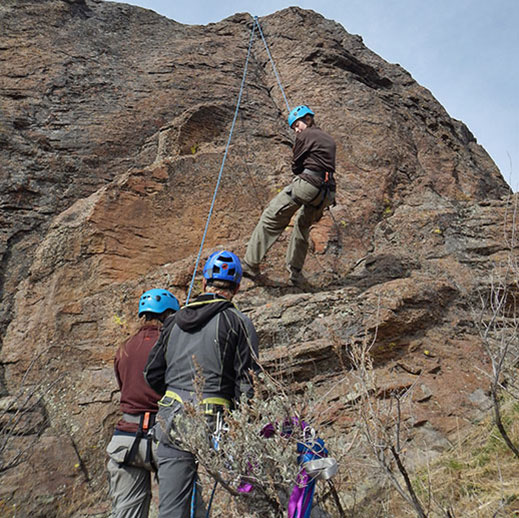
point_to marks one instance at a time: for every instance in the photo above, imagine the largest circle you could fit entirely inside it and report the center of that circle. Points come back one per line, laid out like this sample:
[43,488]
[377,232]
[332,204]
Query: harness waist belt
[145,420]
[316,174]
[210,400]
[132,418]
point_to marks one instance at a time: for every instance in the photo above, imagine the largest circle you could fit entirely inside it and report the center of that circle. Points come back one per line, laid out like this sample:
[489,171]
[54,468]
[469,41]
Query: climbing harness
[146,422]
[213,408]
[211,405]
[326,187]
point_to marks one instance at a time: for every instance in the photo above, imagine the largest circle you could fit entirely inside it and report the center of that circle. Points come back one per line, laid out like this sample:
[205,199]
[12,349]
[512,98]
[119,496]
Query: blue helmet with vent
[224,266]
[298,112]
[157,301]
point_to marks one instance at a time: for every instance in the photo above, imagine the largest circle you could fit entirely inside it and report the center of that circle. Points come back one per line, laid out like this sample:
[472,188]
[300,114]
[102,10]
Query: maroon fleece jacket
[137,396]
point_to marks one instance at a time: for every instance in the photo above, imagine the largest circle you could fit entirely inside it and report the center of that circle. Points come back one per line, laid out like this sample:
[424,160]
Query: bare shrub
[497,320]
[381,423]
[255,460]
[23,416]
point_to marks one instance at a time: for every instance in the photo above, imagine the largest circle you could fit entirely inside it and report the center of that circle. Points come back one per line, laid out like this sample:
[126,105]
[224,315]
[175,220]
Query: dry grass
[477,478]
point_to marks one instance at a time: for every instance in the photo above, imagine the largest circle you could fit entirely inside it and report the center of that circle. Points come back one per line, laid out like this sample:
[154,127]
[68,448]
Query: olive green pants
[301,197]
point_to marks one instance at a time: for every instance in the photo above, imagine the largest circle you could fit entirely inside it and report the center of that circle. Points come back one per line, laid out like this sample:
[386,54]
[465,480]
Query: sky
[466,52]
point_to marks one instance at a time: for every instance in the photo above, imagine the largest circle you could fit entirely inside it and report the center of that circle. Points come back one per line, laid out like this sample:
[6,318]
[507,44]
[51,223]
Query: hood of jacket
[195,315]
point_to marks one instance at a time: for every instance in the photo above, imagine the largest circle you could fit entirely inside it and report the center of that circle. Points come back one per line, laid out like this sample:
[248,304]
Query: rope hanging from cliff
[272,63]
[251,39]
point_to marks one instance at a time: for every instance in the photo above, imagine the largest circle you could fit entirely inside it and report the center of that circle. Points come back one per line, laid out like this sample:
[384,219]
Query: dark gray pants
[177,478]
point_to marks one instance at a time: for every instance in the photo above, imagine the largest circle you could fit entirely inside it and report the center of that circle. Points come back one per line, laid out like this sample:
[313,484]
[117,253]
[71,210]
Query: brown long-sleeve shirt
[315,150]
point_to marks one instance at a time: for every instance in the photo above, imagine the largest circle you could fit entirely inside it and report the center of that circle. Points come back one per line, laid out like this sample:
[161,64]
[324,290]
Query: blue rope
[223,162]
[193,500]
[272,62]
[193,496]
[211,499]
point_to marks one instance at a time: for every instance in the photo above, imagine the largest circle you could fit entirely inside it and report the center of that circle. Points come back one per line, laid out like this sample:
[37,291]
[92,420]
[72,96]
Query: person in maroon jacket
[312,190]
[131,451]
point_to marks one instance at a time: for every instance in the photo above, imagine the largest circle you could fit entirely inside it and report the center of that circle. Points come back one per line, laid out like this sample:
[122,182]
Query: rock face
[113,125]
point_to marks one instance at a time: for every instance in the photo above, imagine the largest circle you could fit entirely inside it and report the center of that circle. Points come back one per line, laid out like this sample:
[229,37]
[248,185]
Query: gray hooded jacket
[210,336]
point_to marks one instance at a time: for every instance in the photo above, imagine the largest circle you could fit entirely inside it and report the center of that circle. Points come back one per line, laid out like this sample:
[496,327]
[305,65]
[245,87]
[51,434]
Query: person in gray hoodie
[209,335]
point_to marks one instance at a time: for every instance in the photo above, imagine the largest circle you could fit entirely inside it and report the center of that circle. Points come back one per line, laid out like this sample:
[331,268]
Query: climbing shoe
[250,271]
[295,277]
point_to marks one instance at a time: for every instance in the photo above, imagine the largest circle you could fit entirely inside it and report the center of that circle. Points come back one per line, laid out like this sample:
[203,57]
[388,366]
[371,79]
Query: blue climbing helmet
[157,301]
[224,266]
[298,112]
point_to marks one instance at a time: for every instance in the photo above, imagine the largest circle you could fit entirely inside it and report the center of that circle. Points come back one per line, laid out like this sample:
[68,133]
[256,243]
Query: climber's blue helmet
[298,112]
[224,266]
[157,301]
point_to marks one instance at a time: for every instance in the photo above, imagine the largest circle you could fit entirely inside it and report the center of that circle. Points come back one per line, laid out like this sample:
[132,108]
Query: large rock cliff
[113,125]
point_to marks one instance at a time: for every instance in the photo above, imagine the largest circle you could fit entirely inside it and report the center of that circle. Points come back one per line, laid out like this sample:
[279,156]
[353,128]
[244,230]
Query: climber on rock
[309,194]
[208,336]
[132,456]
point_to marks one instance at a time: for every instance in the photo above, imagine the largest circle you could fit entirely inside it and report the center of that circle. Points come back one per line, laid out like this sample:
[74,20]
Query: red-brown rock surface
[113,125]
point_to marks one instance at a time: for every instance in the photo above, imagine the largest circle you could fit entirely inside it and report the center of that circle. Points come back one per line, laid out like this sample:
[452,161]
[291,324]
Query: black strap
[149,439]
[324,189]
[146,422]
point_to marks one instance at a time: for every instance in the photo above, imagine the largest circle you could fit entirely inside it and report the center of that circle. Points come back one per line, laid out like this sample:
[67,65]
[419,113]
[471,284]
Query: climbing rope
[223,161]
[272,63]
[251,40]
